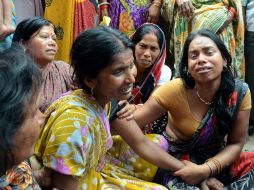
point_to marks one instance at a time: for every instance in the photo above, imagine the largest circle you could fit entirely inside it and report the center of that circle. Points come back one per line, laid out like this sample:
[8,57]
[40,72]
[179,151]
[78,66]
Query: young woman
[205,105]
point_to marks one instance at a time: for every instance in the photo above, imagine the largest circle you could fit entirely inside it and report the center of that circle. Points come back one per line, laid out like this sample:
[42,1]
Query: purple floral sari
[128,15]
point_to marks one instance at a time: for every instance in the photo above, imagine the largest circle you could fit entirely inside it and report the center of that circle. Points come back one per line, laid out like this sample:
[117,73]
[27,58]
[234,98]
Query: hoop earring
[188,74]
[225,68]
[92,93]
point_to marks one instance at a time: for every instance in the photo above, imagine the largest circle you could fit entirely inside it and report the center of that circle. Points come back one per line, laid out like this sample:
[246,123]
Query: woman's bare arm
[149,112]
[145,148]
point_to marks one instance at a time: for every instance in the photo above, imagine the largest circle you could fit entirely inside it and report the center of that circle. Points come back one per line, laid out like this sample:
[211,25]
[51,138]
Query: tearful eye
[117,72]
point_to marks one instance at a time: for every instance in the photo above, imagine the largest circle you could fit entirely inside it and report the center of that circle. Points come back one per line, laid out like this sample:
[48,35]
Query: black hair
[93,50]
[227,77]
[20,84]
[26,28]
[148,28]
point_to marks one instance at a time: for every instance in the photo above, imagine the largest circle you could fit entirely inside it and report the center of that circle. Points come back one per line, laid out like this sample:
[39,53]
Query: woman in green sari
[223,17]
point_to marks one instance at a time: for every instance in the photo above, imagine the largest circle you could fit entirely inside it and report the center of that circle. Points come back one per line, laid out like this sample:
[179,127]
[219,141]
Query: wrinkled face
[116,80]
[205,62]
[42,45]
[147,51]
[28,133]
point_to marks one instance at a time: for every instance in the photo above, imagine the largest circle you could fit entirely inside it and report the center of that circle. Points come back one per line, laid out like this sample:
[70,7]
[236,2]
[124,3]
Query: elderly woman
[204,106]
[20,118]
[38,37]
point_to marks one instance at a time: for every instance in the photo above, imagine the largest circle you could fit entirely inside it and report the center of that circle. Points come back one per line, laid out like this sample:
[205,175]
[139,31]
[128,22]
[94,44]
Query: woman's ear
[24,44]
[91,83]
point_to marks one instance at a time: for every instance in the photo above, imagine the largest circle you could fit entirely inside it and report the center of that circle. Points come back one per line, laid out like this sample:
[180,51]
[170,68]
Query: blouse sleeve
[165,75]
[69,144]
[246,102]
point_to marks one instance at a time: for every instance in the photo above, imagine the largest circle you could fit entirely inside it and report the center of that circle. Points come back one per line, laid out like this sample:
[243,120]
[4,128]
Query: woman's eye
[117,72]
[132,65]
[44,37]
[154,49]
[210,52]
[142,46]
[192,56]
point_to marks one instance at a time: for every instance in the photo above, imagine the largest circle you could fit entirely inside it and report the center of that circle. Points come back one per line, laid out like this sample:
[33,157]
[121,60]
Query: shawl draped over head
[149,80]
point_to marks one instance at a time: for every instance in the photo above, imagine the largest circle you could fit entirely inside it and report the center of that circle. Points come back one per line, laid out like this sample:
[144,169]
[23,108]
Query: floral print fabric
[18,178]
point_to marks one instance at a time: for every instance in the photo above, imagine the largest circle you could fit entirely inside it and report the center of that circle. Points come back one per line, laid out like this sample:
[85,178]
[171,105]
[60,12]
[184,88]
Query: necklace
[201,99]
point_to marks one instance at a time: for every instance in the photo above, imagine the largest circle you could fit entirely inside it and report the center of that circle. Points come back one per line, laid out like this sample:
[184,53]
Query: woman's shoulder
[61,65]
[241,86]
[175,83]
[175,86]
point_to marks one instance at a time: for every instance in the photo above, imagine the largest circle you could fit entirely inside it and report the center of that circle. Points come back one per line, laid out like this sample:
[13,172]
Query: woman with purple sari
[208,114]
[128,15]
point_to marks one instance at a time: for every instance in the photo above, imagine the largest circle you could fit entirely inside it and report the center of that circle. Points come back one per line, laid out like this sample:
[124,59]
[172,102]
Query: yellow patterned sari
[76,137]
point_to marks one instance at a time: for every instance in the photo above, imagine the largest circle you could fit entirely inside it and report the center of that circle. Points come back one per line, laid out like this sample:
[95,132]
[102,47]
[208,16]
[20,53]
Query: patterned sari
[76,137]
[19,177]
[210,14]
[207,141]
[128,15]
[70,18]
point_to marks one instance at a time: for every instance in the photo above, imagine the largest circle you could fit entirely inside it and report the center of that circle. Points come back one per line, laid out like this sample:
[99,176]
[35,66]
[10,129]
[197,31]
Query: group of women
[79,148]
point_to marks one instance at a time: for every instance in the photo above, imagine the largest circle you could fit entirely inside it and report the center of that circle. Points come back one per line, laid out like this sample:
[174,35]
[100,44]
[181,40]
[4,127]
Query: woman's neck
[207,91]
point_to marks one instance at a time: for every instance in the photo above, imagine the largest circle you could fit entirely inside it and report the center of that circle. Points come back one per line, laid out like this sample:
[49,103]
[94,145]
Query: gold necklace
[201,99]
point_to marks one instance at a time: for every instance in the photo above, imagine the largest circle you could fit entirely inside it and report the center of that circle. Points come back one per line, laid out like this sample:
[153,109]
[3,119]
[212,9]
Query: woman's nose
[147,53]
[132,73]
[201,59]
[52,42]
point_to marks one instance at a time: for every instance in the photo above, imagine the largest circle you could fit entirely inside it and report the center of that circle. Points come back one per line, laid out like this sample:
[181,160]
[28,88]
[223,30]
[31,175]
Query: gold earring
[225,68]
[92,93]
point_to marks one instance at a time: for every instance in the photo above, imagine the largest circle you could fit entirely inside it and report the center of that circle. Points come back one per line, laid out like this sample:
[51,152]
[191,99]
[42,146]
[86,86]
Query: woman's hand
[126,111]
[153,14]
[211,184]
[192,173]
[186,8]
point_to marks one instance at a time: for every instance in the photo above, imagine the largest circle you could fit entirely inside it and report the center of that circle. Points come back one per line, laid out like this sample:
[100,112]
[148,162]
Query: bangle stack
[157,3]
[103,5]
[216,163]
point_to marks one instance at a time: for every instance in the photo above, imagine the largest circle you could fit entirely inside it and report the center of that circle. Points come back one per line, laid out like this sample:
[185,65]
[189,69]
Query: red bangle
[232,11]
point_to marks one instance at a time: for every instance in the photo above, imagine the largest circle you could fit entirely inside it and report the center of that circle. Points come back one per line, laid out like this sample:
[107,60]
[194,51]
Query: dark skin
[153,14]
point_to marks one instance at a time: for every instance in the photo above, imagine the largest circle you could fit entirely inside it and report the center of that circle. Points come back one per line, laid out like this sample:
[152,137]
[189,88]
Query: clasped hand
[194,174]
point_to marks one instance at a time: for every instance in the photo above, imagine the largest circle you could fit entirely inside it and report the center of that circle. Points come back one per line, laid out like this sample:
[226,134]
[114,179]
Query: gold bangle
[157,3]
[216,163]
[211,170]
